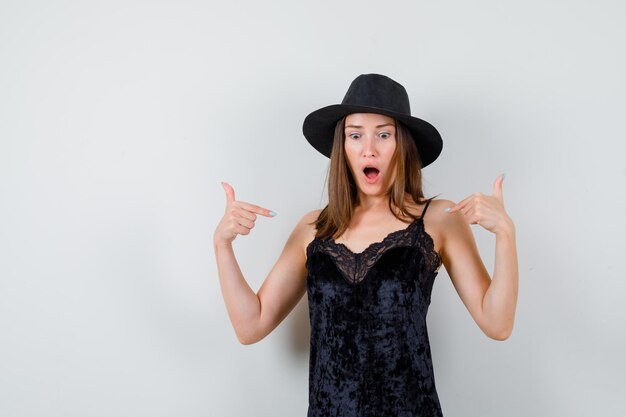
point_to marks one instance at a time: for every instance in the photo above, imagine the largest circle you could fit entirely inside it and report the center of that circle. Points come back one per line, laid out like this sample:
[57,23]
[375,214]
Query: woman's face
[370,141]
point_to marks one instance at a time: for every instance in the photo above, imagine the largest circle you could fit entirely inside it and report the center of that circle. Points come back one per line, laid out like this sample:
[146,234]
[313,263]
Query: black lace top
[370,354]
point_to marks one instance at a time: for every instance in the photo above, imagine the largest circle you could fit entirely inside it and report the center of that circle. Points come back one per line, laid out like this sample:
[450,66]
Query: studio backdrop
[119,120]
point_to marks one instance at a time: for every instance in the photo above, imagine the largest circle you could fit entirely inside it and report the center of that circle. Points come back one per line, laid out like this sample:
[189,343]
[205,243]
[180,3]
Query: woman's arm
[242,303]
[254,316]
[500,301]
[491,302]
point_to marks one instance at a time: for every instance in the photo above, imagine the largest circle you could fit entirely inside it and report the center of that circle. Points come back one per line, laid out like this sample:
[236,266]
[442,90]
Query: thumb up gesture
[239,217]
[485,210]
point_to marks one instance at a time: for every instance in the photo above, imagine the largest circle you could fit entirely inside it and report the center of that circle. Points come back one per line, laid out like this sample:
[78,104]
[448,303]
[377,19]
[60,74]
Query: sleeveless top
[370,355]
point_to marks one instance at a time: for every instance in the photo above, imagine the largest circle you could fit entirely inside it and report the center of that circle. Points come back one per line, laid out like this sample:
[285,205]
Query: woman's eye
[354,135]
[384,135]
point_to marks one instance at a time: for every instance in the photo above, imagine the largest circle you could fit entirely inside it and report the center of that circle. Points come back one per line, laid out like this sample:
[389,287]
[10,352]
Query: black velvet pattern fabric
[370,355]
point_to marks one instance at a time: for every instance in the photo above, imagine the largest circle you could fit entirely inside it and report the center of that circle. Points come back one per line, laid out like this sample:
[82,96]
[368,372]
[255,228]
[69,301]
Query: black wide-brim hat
[373,93]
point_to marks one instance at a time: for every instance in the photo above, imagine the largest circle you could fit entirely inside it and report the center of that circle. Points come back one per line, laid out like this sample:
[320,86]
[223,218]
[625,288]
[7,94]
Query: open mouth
[371,173]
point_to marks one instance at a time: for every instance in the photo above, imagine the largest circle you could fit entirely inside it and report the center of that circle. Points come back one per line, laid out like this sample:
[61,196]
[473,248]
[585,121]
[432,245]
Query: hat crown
[378,91]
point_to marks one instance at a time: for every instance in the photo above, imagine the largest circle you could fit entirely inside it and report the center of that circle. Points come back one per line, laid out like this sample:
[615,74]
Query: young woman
[368,260]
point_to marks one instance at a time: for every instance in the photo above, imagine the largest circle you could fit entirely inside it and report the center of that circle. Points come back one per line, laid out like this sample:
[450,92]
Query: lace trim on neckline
[372,247]
[354,266]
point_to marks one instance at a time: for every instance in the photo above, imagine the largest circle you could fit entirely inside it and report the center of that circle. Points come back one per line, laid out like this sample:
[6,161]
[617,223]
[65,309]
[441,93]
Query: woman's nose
[368,147]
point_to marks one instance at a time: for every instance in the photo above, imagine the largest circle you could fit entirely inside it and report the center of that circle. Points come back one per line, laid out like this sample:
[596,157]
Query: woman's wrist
[217,242]
[507,227]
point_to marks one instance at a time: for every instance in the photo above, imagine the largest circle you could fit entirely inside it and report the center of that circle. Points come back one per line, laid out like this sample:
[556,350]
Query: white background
[119,119]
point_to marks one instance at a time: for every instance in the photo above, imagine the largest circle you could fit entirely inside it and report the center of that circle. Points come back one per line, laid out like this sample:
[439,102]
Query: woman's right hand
[239,217]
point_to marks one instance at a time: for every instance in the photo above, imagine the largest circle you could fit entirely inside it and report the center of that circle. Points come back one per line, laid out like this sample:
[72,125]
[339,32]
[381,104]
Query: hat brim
[319,129]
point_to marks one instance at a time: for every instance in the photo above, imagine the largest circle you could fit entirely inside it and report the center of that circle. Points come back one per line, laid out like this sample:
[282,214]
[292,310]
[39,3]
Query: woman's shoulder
[306,228]
[309,218]
[435,208]
[435,220]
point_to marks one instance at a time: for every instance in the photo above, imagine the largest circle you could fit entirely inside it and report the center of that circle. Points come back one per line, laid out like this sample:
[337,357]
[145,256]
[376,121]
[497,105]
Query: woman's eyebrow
[379,126]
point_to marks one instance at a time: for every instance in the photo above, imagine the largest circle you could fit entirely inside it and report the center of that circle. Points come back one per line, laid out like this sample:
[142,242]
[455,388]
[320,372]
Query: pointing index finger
[458,206]
[255,209]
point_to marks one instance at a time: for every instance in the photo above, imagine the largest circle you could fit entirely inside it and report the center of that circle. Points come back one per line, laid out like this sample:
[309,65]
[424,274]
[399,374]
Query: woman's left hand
[485,210]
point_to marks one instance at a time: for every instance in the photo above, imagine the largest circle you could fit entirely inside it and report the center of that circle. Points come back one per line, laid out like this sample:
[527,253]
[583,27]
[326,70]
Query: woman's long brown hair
[335,218]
